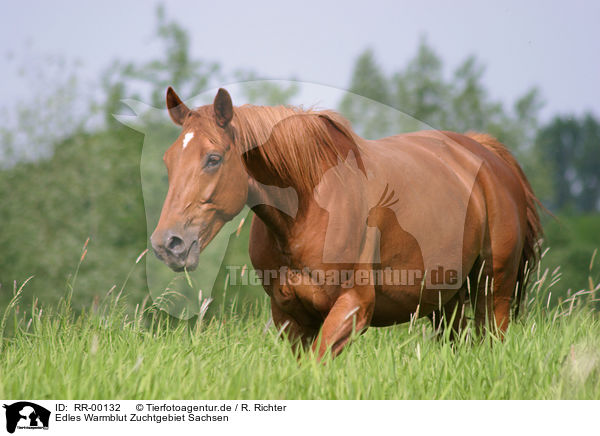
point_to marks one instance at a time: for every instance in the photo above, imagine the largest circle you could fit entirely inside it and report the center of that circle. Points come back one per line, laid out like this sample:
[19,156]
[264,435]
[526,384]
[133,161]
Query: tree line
[84,181]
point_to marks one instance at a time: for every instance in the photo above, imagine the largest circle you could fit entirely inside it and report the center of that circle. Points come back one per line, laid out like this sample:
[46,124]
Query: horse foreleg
[298,335]
[351,313]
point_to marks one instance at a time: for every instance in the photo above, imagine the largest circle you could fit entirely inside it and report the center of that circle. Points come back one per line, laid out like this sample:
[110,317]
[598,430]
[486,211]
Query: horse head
[208,185]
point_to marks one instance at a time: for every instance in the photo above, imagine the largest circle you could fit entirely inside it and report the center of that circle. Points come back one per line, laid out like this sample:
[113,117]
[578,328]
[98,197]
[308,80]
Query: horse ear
[177,109]
[223,107]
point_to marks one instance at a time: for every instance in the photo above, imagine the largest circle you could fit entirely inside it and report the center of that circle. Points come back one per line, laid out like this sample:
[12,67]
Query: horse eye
[213,160]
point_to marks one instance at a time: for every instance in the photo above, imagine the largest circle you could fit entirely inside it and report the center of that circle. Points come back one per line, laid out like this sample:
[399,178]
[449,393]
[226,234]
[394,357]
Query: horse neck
[270,139]
[277,207]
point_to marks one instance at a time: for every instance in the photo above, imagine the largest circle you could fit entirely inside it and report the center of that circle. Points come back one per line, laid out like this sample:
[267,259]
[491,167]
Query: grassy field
[549,353]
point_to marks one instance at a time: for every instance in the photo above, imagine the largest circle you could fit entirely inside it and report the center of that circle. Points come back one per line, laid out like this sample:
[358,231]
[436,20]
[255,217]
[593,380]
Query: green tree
[367,81]
[420,89]
[570,149]
[147,81]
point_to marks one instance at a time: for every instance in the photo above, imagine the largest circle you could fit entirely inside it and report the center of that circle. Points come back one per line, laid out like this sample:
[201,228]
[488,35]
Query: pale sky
[551,44]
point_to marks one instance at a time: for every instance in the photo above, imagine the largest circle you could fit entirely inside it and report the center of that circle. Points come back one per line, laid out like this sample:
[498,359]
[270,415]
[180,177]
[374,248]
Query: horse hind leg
[505,278]
[490,287]
[495,280]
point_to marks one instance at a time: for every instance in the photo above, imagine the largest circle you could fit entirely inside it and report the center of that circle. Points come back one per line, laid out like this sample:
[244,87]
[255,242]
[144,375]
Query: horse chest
[287,272]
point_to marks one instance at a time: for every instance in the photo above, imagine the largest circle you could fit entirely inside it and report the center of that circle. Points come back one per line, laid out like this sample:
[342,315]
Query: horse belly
[395,304]
[400,291]
[389,311]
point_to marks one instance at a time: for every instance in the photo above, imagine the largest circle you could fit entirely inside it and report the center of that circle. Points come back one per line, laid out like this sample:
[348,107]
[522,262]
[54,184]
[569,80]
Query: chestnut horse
[371,233]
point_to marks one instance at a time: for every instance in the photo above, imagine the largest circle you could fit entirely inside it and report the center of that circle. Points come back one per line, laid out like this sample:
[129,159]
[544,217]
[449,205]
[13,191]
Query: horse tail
[534,232]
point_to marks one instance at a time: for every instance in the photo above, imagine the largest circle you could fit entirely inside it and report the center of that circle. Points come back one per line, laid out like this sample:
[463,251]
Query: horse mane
[293,143]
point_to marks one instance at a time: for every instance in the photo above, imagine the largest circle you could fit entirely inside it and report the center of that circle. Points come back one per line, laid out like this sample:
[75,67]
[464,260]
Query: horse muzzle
[178,250]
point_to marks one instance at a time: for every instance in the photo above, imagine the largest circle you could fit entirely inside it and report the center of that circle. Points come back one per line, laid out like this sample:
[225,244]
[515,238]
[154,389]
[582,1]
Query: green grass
[549,353]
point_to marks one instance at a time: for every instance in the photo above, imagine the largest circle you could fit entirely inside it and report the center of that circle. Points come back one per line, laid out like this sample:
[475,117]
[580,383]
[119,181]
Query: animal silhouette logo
[26,415]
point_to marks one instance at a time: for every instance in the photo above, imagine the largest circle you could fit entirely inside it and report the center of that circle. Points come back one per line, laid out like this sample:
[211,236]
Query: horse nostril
[175,245]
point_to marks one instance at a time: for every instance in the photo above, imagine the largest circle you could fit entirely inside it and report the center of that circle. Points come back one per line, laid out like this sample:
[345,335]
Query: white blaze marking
[187,138]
